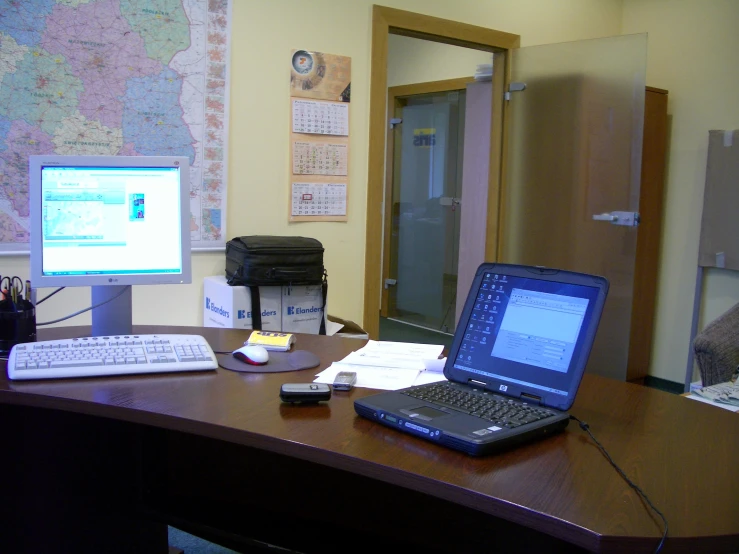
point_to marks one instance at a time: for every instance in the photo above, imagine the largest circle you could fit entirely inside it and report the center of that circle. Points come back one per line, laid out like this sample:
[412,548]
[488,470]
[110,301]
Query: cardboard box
[296,309]
[348,328]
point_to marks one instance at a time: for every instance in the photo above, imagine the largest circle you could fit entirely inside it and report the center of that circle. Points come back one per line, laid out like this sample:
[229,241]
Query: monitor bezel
[35,165]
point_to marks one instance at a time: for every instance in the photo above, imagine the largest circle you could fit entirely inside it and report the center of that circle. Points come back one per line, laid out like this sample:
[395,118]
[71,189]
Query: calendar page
[319,158]
[318,199]
[320,118]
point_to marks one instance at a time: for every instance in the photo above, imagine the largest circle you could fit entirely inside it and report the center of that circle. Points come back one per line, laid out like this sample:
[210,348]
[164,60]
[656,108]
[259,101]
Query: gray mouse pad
[278,362]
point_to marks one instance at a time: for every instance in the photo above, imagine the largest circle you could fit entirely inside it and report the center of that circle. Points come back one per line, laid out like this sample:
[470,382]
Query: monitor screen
[528,330]
[109,220]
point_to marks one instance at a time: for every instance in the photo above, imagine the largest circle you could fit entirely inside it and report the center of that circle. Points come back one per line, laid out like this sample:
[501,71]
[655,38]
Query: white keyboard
[103,356]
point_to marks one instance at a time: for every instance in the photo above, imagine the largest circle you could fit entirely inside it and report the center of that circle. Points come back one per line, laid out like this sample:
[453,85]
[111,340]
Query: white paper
[426,377]
[436,365]
[425,351]
[371,377]
[729,407]
[403,355]
[375,359]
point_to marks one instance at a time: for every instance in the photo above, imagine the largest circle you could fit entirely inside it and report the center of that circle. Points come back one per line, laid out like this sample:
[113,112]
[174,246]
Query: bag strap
[324,291]
[256,308]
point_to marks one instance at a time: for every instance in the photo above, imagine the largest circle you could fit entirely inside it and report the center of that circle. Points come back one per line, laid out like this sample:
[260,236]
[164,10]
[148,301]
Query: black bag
[262,260]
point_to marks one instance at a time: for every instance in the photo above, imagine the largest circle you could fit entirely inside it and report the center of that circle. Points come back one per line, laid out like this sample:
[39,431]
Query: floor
[441,318]
[397,331]
[190,544]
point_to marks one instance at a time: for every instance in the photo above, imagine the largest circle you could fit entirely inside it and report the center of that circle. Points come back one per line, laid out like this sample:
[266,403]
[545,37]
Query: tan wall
[264,33]
[413,60]
[694,53]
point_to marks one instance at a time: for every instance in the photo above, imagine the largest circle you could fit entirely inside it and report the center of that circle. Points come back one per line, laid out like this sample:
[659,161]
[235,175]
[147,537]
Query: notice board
[719,243]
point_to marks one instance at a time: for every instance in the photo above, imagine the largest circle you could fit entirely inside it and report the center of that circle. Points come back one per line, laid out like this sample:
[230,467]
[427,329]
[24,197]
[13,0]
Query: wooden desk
[101,465]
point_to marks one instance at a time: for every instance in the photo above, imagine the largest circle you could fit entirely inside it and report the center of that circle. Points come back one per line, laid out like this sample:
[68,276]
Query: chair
[716,348]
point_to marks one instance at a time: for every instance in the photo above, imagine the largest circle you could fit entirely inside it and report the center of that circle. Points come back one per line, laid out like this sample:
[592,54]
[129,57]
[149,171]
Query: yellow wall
[264,32]
[412,60]
[692,53]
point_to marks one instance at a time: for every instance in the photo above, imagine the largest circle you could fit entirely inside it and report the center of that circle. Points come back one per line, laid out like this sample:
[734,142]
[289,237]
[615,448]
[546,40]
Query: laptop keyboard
[503,412]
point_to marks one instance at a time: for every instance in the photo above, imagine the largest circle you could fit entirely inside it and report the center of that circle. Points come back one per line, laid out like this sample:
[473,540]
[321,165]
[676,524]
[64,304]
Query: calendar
[320,90]
[319,199]
[320,118]
[319,158]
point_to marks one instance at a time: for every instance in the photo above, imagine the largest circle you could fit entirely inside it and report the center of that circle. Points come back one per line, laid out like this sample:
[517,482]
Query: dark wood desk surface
[682,453]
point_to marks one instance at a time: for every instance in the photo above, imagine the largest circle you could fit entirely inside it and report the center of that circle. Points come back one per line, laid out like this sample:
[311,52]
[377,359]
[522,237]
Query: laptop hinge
[530,398]
[475,383]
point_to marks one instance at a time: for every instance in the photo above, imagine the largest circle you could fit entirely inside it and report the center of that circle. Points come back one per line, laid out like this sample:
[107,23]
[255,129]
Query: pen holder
[16,326]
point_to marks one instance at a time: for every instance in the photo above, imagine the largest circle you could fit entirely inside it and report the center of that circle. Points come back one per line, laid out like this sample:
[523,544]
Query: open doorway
[422,209]
[426,33]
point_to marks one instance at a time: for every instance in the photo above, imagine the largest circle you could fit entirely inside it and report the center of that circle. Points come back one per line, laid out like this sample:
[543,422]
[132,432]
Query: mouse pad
[278,362]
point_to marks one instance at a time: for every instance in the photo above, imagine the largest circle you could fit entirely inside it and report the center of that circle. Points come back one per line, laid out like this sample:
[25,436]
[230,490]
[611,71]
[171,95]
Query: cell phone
[345,380]
[305,392]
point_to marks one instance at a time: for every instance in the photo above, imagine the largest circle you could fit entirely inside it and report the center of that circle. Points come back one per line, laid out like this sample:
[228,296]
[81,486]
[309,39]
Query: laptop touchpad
[424,413]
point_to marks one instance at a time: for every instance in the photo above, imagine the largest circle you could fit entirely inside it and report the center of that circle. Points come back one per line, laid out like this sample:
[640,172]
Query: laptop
[514,367]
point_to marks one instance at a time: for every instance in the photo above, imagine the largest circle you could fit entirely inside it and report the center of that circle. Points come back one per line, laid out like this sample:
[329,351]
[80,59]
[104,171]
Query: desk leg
[71,484]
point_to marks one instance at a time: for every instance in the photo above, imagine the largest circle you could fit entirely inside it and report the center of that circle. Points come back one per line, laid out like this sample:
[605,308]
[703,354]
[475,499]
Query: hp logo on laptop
[503,388]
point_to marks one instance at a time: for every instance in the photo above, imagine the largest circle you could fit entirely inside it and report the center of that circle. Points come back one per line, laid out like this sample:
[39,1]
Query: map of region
[74,220]
[114,77]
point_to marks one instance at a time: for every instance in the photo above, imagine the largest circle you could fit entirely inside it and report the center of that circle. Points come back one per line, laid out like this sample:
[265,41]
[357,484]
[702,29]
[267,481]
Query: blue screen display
[525,331]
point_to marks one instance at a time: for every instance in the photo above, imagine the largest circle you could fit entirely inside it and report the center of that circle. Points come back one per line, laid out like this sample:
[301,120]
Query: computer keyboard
[103,356]
[505,412]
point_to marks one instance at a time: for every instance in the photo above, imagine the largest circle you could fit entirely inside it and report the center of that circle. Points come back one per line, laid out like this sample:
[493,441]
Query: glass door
[426,177]
[572,185]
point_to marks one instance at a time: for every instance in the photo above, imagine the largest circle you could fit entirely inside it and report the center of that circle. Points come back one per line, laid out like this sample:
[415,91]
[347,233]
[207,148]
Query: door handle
[605,217]
[390,283]
[628,219]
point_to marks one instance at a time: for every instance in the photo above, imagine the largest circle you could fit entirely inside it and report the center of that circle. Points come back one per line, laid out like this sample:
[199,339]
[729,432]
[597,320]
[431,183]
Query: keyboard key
[76,363]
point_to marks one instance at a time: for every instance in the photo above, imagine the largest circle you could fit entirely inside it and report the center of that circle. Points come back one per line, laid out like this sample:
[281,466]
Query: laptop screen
[526,333]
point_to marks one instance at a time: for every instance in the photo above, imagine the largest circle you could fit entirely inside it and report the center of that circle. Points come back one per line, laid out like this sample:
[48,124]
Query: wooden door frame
[395,97]
[386,21]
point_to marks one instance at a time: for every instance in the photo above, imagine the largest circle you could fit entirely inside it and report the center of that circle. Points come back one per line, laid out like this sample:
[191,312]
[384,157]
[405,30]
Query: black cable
[446,314]
[124,289]
[48,295]
[585,427]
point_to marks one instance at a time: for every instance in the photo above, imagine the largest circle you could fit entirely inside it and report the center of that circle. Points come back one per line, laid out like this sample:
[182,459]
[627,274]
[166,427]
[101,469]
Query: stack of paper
[390,365]
[271,340]
[725,395]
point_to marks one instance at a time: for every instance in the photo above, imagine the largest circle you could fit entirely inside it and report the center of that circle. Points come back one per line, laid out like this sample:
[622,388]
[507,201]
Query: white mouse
[254,355]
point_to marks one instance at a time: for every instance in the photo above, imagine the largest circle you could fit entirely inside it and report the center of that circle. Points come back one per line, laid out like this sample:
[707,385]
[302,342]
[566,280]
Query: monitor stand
[115,318]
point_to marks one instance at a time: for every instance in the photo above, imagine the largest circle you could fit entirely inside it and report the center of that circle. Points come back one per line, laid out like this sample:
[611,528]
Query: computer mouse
[254,355]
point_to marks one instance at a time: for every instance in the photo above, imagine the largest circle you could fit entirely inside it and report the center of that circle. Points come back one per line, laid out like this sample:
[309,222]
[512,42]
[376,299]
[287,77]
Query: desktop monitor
[109,222]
